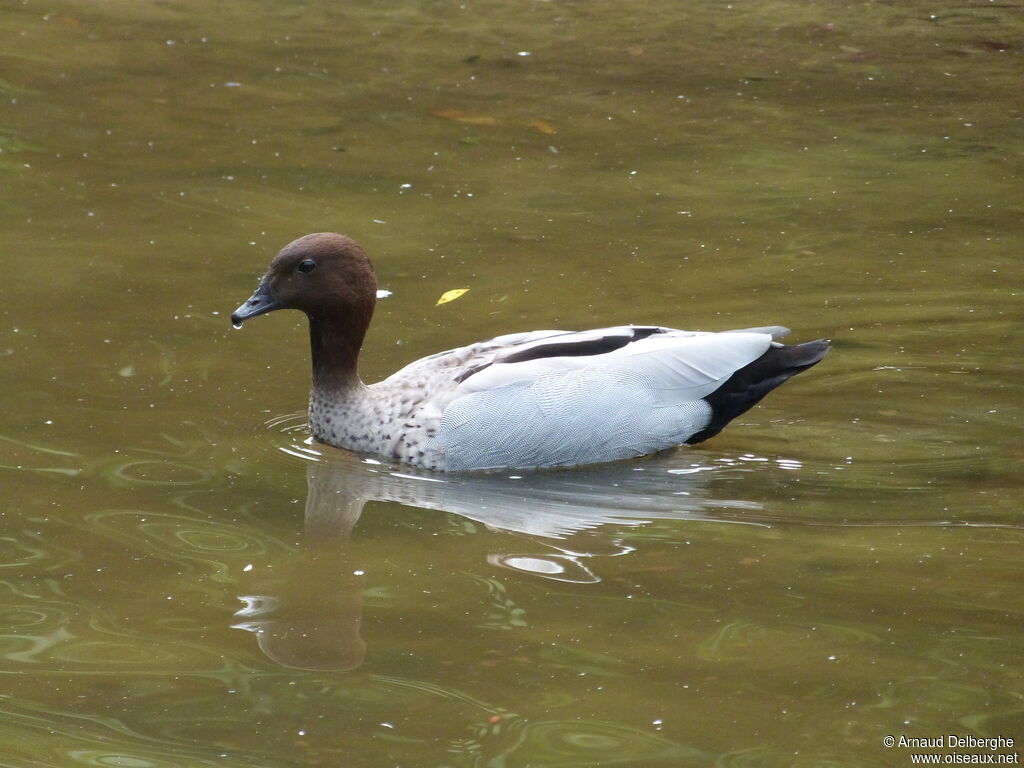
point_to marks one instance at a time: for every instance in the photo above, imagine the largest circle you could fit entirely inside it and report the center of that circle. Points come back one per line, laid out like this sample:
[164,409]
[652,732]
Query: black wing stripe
[572,349]
[599,346]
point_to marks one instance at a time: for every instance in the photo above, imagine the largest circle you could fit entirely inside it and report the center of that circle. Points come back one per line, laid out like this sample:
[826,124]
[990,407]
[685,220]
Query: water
[188,581]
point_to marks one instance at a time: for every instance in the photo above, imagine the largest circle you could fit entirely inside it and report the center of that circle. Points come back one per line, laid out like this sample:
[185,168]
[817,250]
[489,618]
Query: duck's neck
[334,344]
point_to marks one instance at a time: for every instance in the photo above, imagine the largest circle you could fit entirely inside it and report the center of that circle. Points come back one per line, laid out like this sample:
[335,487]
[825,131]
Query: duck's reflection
[308,612]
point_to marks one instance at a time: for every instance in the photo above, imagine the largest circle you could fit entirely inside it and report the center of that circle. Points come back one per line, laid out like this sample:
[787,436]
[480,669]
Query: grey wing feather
[564,419]
[675,360]
[775,331]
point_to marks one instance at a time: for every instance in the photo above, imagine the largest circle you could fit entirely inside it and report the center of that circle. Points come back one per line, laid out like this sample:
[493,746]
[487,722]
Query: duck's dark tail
[753,381]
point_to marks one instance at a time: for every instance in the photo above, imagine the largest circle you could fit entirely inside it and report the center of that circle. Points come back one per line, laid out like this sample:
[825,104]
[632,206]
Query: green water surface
[187,581]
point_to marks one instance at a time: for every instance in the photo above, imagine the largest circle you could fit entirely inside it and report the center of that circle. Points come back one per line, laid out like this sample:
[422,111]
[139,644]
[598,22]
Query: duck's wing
[690,364]
[674,358]
[593,396]
[561,397]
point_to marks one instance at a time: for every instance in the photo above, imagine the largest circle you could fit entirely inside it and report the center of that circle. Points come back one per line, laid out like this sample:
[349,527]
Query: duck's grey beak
[261,302]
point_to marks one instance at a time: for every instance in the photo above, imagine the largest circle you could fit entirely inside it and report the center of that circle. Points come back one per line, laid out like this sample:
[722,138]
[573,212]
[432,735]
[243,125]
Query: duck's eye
[306,265]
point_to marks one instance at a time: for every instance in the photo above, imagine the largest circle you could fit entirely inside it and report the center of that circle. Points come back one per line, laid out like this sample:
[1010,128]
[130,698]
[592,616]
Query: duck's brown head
[325,275]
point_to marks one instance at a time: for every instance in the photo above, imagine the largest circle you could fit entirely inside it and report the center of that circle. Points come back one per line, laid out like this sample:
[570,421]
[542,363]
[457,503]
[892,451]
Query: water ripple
[579,743]
[748,640]
[182,538]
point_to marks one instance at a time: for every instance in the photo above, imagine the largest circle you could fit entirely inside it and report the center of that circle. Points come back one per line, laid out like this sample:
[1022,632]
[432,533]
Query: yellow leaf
[543,126]
[451,295]
[465,117]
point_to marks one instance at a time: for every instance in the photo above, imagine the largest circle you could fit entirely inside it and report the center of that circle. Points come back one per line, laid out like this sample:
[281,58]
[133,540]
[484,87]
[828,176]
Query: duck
[519,401]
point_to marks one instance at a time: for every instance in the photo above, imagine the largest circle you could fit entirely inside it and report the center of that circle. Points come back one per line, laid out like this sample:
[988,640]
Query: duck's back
[557,398]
